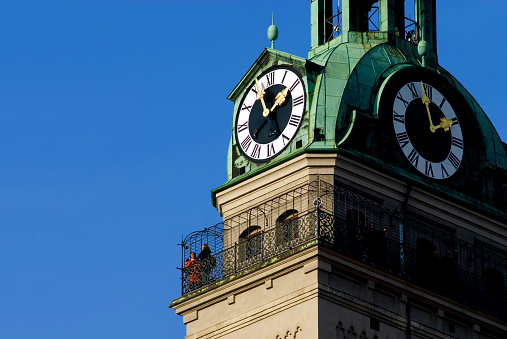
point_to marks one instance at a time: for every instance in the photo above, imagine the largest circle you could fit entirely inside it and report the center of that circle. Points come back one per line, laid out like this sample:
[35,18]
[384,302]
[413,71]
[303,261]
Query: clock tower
[366,193]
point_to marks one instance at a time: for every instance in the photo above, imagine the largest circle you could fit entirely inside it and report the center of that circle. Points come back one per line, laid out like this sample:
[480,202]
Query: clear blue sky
[114,128]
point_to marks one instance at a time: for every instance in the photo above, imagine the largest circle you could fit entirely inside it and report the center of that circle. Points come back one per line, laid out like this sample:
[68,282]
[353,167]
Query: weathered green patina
[345,80]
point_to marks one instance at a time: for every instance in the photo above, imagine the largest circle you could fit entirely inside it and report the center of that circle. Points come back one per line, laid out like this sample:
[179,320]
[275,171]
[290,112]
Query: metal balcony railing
[407,248]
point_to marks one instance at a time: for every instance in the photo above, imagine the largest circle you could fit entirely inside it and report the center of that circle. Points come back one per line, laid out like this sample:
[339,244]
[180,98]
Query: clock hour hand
[280,98]
[260,95]
[444,123]
[426,101]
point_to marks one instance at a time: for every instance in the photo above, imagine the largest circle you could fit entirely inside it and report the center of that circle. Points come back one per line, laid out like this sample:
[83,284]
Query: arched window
[287,227]
[250,242]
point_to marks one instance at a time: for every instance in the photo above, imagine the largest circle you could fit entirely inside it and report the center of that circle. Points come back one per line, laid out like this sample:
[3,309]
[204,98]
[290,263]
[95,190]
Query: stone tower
[366,193]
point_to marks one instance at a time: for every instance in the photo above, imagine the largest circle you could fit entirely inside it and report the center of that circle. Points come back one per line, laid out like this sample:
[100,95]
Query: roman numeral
[413,157]
[455,121]
[429,169]
[429,91]
[454,160]
[399,96]
[248,108]
[271,78]
[294,85]
[444,171]
[399,117]
[284,74]
[245,144]
[442,103]
[242,127]
[298,101]
[457,142]
[254,89]
[284,137]
[256,152]
[271,150]
[411,87]
[403,139]
[294,120]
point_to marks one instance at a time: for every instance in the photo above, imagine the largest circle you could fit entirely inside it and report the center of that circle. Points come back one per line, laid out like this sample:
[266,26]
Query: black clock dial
[266,129]
[427,130]
[432,146]
[270,113]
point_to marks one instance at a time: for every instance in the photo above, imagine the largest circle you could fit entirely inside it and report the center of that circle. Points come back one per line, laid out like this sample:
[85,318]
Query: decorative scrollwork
[355,227]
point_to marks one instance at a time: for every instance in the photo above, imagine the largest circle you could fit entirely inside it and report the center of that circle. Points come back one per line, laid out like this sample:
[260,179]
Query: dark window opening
[375,324]
[250,243]
[287,226]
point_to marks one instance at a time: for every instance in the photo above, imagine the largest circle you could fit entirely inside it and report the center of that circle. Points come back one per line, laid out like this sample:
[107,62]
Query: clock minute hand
[426,101]
[260,95]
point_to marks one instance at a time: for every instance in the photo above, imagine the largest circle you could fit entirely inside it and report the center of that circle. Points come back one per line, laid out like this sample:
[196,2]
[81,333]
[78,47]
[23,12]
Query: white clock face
[428,130]
[270,114]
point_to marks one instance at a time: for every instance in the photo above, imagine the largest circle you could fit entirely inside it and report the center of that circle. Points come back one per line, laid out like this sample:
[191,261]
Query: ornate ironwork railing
[356,227]
[256,250]
[368,246]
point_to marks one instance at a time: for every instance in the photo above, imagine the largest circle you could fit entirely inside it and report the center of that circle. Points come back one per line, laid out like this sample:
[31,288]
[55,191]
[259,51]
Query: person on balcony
[207,262]
[192,271]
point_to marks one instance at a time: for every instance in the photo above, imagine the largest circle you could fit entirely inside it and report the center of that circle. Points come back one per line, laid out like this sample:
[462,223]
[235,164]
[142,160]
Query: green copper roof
[352,75]
[344,83]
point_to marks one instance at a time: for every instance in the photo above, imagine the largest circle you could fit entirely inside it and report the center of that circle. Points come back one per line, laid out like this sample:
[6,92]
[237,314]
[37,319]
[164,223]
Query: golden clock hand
[426,101]
[280,98]
[444,123]
[260,95]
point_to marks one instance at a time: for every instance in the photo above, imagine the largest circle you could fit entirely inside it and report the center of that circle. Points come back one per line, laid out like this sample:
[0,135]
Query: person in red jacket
[193,276]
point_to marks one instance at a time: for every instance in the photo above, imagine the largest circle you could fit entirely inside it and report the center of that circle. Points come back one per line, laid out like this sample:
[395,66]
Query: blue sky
[114,128]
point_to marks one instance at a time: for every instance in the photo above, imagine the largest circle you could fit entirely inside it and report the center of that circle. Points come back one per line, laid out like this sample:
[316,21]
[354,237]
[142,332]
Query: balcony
[321,214]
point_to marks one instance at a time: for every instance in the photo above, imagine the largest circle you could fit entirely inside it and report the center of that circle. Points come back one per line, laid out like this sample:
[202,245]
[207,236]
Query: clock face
[428,130]
[270,113]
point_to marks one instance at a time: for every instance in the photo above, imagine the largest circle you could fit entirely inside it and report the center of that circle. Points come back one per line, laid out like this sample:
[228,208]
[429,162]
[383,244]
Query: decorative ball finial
[422,49]
[272,32]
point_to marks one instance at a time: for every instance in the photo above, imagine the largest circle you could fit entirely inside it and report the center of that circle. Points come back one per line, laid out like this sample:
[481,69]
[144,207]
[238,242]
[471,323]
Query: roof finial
[422,49]
[272,31]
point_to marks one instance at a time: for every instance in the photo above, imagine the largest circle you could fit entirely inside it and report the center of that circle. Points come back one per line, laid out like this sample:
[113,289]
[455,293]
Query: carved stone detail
[290,335]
